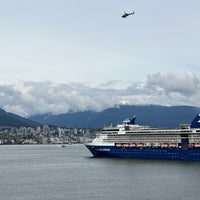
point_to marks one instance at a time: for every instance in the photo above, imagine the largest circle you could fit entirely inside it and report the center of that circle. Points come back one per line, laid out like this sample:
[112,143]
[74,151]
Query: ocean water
[50,172]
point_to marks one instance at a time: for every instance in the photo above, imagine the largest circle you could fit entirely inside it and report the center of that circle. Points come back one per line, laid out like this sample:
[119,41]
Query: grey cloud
[29,98]
[183,83]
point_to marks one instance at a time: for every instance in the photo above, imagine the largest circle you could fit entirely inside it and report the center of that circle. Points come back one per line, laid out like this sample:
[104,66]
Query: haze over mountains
[27,98]
[152,115]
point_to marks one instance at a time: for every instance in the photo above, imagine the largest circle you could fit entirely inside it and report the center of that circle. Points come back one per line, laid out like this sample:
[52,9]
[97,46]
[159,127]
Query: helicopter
[127,14]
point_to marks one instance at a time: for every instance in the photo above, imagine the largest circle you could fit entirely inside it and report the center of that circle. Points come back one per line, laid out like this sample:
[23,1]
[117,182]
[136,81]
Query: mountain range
[150,115]
[12,120]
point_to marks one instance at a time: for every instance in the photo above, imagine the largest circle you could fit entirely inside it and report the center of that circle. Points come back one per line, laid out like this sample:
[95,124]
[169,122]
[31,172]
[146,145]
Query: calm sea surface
[49,172]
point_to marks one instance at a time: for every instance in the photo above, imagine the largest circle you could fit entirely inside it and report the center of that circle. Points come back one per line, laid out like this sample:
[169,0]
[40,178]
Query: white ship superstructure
[132,140]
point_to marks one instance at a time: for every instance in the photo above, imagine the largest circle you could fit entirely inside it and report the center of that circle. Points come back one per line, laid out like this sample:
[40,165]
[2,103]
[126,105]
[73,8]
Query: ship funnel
[132,120]
[196,122]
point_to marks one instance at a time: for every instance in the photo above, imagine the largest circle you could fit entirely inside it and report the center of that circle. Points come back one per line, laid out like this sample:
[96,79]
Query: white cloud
[29,98]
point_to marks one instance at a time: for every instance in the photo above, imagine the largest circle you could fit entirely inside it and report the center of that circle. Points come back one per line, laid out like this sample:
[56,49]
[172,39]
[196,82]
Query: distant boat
[63,145]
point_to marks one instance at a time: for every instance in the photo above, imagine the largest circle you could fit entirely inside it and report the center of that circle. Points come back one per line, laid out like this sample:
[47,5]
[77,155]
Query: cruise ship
[130,140]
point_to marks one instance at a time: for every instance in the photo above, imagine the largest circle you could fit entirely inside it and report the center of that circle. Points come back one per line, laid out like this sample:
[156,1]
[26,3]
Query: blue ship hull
[192,154]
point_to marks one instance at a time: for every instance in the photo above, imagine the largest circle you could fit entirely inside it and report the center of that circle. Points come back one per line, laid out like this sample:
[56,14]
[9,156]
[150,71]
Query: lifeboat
[126,145]
[197,145]
[172,145]
[164,145]
[140,145]
[132,145]
[118,144]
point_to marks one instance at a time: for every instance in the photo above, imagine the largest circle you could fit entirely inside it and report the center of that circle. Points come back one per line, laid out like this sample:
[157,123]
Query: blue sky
[88,43]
